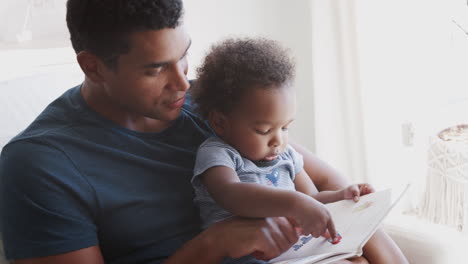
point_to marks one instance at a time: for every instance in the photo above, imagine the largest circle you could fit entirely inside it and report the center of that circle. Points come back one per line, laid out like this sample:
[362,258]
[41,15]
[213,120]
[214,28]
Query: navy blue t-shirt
[74,179]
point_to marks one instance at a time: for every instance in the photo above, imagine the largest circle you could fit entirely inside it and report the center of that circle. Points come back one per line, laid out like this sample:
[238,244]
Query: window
[413,57]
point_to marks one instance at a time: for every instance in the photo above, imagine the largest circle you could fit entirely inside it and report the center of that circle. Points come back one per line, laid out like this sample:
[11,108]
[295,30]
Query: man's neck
[97,100]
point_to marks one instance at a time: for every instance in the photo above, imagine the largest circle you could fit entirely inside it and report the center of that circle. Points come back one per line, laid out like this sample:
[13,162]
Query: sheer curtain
[337,96]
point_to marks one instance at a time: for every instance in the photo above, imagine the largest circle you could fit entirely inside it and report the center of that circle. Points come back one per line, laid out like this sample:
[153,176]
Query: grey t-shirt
[278,173]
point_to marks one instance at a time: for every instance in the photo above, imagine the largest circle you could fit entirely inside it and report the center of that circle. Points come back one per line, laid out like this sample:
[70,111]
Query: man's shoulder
[57,117]
[26,160]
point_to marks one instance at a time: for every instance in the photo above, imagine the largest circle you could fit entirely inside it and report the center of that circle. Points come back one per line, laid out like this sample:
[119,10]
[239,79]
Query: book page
[355,222]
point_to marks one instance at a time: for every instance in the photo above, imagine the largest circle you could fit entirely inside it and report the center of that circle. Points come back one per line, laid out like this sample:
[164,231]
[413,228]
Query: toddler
[245,90]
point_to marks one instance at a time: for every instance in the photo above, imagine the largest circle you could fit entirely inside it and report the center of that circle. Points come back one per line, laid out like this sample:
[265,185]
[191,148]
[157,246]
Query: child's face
[258,127]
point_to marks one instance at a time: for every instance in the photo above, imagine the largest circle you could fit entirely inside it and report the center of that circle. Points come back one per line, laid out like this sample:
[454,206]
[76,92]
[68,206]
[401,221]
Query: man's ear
[92,66]
[218,122]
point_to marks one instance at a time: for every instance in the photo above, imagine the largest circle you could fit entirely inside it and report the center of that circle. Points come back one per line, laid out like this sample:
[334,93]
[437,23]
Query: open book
[355,222]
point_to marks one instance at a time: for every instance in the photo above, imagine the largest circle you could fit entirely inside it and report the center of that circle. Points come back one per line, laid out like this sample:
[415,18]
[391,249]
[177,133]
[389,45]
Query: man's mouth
[177,103]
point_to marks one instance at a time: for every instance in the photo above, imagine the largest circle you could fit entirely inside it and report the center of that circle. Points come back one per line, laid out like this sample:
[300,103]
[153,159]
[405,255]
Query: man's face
[150,81]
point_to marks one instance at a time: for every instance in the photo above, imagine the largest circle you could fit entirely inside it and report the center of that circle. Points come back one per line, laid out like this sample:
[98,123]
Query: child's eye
[262,132]
[285,128]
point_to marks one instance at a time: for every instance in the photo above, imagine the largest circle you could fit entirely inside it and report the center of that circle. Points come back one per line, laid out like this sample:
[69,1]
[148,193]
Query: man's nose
[179,79]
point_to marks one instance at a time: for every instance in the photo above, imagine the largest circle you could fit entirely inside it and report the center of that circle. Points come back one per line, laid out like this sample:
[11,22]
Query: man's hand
[355,191]
[264,238]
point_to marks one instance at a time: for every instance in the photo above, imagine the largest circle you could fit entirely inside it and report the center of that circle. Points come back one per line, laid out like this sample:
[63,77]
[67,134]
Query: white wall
[288,22]
[207,21]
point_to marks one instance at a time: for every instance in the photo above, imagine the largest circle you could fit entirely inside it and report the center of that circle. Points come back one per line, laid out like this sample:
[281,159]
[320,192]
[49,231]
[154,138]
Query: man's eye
[154,71]
[262,132]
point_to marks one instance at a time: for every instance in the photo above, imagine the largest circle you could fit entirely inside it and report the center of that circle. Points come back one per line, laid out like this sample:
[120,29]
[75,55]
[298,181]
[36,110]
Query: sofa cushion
[23,98]
[423,242]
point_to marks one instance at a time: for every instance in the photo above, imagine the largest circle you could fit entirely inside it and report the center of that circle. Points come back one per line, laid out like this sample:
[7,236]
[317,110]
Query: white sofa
[23,98]
[426,243]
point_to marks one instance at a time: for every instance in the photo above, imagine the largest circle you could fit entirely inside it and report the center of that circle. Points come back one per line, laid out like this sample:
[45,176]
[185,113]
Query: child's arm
[304,184]
[255,200]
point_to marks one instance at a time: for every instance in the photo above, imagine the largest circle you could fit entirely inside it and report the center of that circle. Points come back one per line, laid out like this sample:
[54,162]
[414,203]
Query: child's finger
[356,198]
[333,236]
[336,240]
[370,188]
[355,193]
[366,189]
[326,235]
[331,229]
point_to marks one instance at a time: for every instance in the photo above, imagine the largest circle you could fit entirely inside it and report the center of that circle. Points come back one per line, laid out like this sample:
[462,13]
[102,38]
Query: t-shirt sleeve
[46,206]
[212,154]
[297,159]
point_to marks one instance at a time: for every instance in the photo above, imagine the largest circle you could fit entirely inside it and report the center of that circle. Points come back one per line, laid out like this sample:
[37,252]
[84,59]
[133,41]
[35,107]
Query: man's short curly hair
[102,27]
[235,66]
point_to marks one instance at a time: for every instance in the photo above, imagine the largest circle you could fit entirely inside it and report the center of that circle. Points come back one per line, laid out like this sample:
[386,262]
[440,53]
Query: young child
[245,90]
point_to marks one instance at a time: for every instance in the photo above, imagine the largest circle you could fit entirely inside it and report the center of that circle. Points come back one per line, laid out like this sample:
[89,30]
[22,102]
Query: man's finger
[296,226]
[292,221]
[291,231]
[269,247]
[258,255]
[281,231]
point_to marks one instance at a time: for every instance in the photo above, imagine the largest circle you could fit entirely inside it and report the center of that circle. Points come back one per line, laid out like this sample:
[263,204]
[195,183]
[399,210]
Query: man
[103,174]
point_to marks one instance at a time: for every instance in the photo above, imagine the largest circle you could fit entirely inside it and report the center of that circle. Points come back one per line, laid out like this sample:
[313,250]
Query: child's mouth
[270,158]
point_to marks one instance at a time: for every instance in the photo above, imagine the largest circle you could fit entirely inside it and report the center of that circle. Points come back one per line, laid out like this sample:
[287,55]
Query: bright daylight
[234,131]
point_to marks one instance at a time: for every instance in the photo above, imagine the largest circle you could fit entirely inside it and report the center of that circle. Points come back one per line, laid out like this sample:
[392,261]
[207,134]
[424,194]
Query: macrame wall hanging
[445,199]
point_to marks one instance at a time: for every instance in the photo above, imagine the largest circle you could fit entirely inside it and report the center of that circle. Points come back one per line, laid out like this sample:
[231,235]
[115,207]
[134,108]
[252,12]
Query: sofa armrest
[423,242]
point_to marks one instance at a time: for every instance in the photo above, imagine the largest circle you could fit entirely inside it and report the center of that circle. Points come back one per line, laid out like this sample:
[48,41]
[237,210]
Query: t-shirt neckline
[78,98]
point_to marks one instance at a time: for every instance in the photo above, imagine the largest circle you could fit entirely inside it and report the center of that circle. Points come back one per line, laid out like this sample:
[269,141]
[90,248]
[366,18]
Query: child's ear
[218,122]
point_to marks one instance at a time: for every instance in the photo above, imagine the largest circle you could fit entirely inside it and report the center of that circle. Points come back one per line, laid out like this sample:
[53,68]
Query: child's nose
[275,141]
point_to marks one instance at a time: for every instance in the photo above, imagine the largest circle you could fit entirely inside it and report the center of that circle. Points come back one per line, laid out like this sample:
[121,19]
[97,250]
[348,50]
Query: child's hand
[335,240]
[356,190]
[309,216]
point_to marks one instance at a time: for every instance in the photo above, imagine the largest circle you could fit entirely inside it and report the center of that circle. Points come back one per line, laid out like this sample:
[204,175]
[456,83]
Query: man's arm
[45,214]
[323,175]
[91,255]
[380,248]
[236,237]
